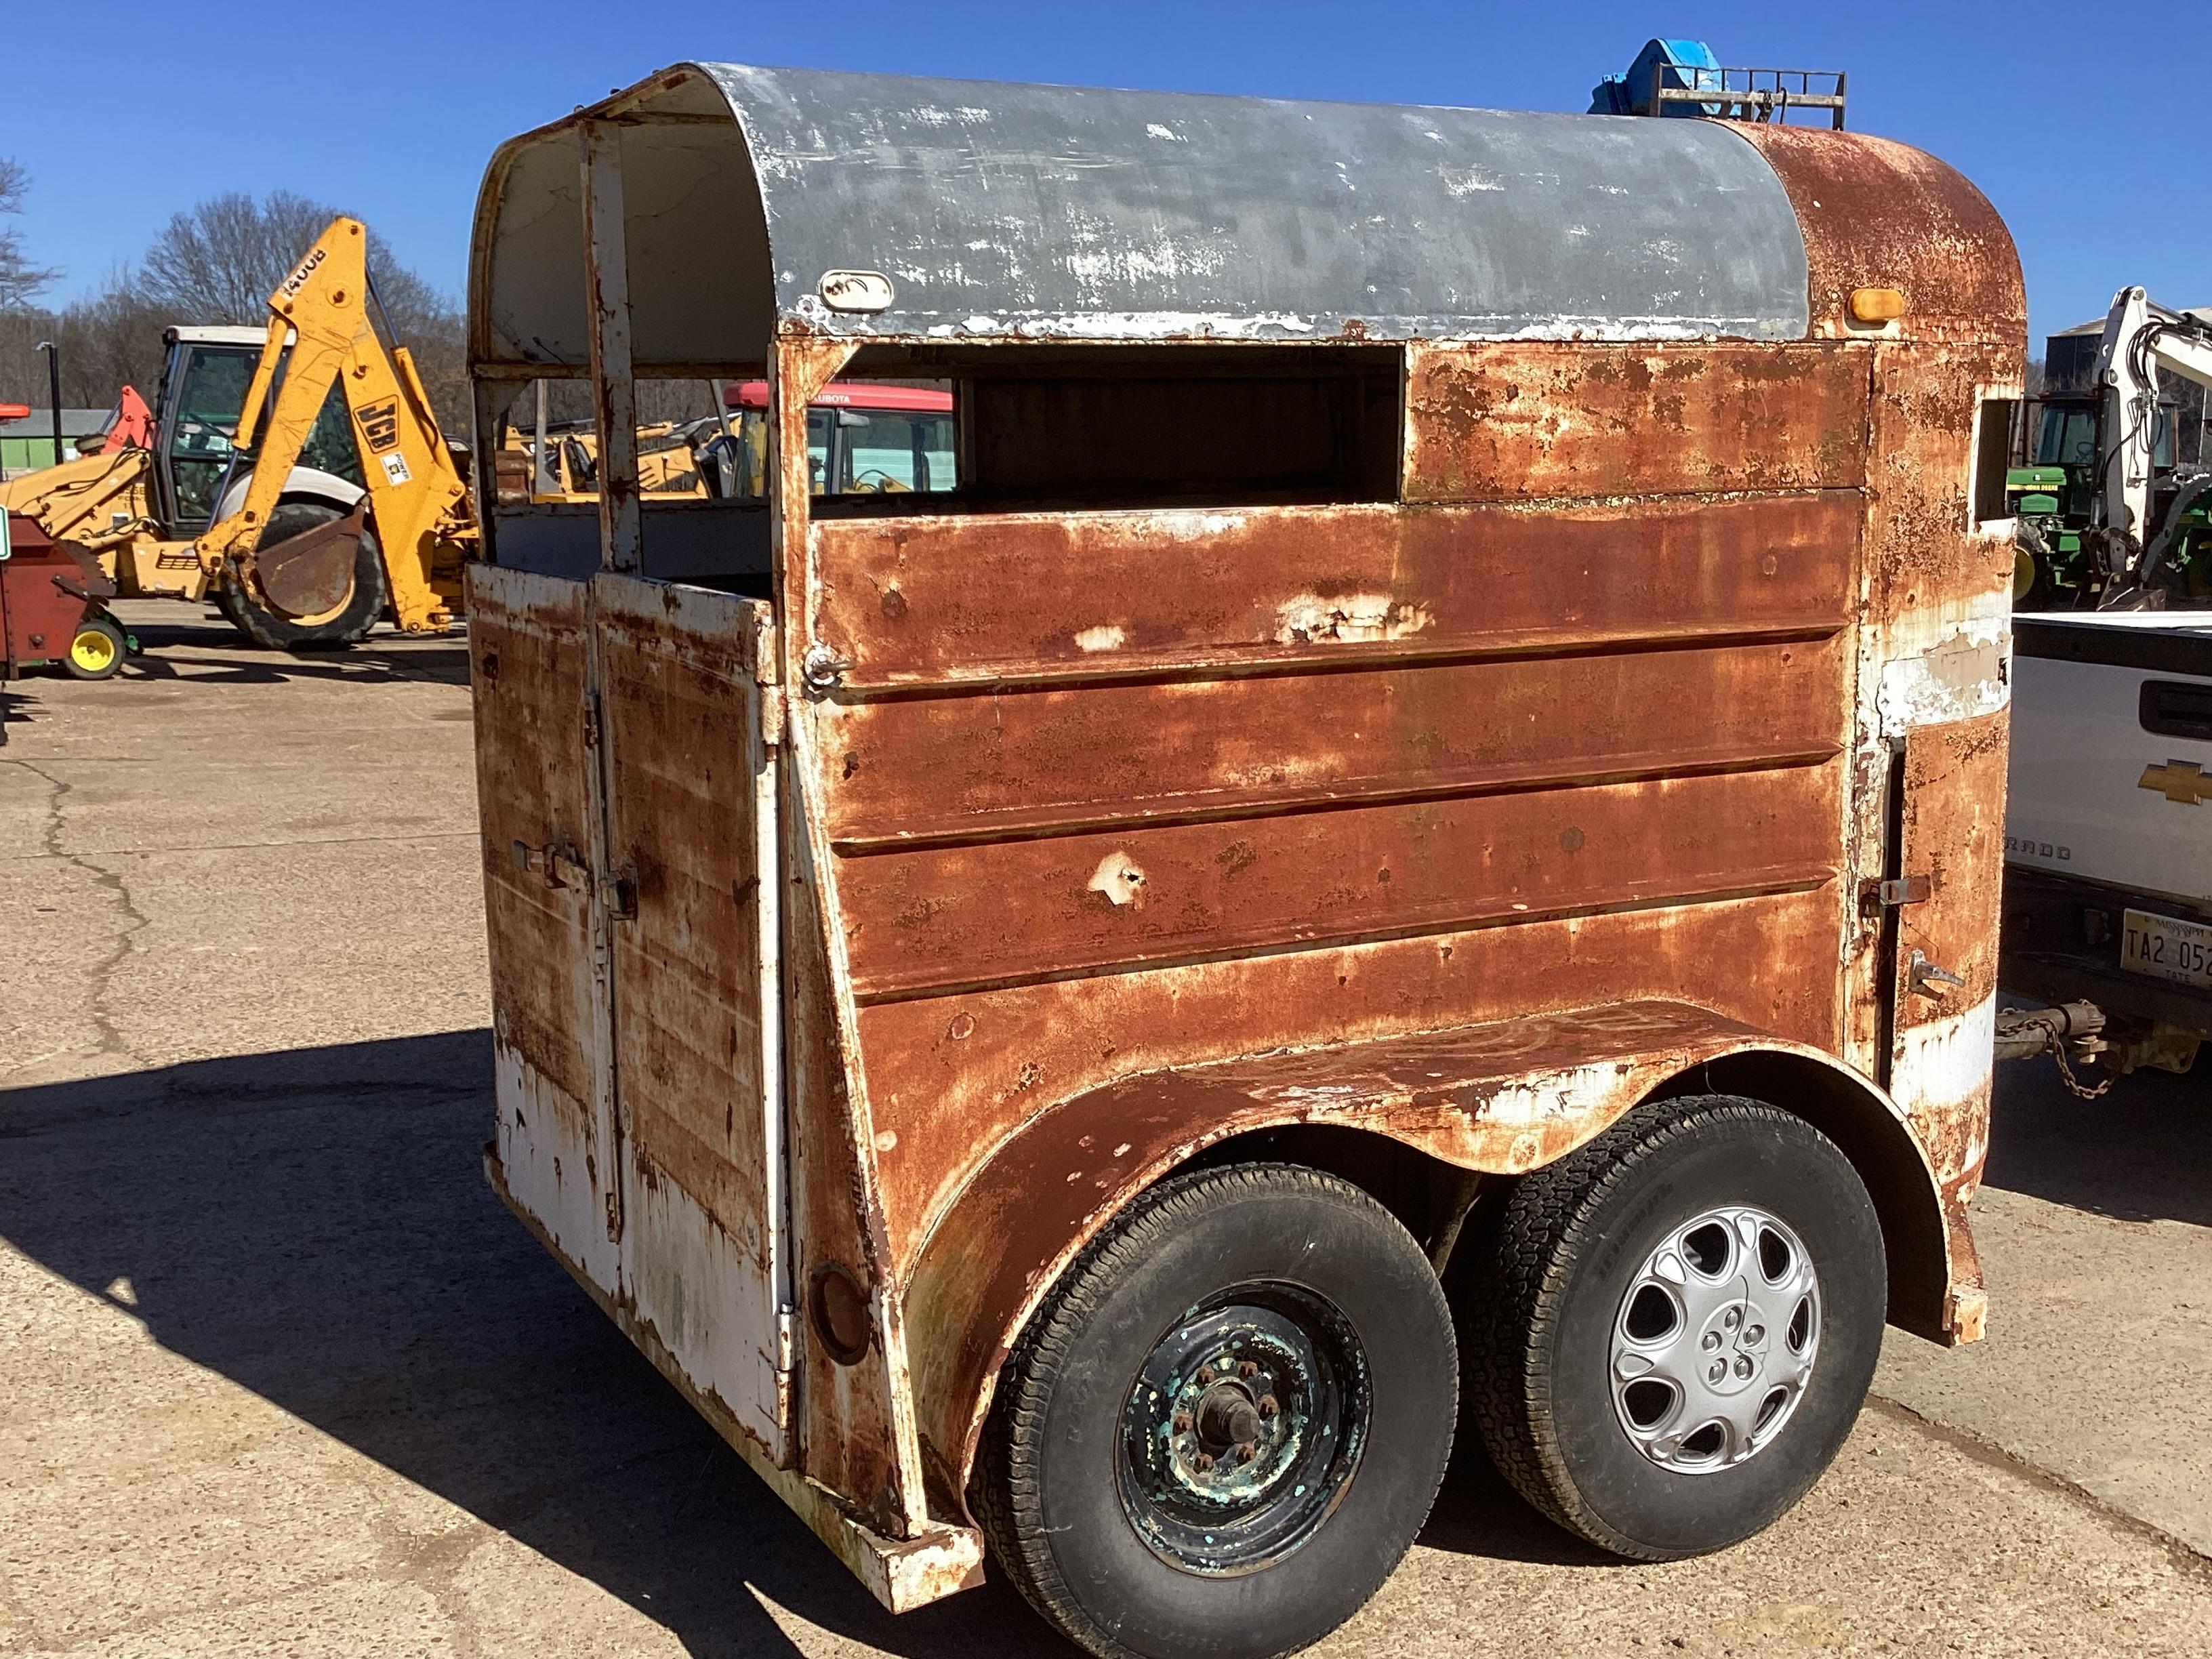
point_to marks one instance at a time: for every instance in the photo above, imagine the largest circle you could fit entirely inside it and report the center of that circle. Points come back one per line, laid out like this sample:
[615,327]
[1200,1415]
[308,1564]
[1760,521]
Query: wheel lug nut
[1247,1369]
[1754,1333]
[1712,1340]
[1205,1376]
[1743,1368]
[1203,1462]
[1718,1370]
[1245,1451]
[1268,1406]
[1182,1422]
[1734,1318]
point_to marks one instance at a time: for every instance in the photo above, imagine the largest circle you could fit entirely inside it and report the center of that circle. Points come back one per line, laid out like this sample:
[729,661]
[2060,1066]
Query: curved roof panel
[1004,210]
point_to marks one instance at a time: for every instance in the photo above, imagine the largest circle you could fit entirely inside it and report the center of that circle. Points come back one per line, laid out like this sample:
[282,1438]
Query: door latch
[618,895]
[822,670]
[559,865]
[1929,979]
[1888,894]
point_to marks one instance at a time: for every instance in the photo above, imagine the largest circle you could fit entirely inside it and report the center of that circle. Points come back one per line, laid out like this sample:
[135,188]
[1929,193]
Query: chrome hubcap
[1715,1340]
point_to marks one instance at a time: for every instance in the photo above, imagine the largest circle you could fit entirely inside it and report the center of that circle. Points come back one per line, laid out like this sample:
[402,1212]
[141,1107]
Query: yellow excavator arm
[323,329]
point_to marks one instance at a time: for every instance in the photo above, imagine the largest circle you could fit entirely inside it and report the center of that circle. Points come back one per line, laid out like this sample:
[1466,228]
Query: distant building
[27,445]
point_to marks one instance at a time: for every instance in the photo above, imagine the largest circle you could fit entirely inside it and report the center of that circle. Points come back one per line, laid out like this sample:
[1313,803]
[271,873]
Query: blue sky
[2088,140]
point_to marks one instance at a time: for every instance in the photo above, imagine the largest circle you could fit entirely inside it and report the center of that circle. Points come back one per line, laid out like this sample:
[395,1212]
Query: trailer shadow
[314,1225]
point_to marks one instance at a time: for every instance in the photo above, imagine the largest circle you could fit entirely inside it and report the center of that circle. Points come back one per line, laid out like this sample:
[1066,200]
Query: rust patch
[1524,422]
[1031,908]
[1004,599]
[1879,213]
[1022,763]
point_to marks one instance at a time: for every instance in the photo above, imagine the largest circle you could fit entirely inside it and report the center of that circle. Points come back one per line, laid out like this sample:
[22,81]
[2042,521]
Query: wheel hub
[1715,1340]
[1242,1429]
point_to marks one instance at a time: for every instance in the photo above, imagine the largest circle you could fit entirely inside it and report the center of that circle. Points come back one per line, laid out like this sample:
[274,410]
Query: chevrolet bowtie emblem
[2183,782]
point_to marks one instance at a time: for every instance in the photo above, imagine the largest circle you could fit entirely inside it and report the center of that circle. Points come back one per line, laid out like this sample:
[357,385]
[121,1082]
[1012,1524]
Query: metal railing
[1749,94]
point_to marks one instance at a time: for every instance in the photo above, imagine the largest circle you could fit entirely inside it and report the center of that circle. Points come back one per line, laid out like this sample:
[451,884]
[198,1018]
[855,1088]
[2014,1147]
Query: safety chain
[2057,1045]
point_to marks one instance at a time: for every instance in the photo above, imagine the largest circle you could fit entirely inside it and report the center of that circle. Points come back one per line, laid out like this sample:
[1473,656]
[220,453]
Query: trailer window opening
[1112,426]
[1992,449]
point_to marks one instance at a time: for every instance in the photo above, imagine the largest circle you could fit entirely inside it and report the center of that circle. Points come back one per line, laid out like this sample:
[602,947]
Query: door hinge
[1891,892]
[786,1338]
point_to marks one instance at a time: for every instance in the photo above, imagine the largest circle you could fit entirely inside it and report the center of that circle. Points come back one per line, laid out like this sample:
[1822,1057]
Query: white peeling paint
[1107,636]
[1120,878]
[1944,1064]
[1948,662]
[1155,130]
[1311,619]
[1461,182]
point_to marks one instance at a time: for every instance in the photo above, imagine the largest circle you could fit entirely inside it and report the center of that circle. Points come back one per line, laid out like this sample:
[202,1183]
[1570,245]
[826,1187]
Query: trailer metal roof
[1000,211]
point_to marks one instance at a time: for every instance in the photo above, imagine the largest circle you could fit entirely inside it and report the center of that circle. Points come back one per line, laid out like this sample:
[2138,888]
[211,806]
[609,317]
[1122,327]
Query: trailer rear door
[627,768]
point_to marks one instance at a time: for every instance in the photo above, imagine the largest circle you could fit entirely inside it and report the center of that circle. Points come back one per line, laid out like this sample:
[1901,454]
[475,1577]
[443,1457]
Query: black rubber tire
[1046,1488]
[99,624]
[273,631]
[2041,592]
[1556,1259]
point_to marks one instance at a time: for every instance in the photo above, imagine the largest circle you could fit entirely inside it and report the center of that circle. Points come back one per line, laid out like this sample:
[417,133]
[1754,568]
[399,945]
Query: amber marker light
[1877,305]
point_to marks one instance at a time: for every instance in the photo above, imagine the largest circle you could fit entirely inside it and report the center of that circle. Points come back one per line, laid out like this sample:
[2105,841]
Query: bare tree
[218,261]
[19,278]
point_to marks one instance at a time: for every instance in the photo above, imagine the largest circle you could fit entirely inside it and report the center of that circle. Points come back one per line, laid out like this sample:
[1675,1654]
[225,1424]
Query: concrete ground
[278,1376]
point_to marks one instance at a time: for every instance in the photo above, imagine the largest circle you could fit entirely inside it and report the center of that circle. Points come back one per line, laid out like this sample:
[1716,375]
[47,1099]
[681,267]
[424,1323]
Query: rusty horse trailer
[1406,817]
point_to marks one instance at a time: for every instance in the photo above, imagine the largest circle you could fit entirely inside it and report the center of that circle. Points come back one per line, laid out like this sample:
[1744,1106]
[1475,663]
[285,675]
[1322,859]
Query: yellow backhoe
[297,477]
[293,572]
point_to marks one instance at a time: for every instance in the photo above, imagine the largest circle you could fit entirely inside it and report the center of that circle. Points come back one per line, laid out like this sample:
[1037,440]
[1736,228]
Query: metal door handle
[1929,979]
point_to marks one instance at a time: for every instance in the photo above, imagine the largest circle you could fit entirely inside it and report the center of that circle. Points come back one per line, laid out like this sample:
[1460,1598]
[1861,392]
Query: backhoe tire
[348,624]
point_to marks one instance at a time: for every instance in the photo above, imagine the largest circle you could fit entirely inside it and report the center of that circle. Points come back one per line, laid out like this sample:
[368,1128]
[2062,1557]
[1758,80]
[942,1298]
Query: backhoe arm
[322,331]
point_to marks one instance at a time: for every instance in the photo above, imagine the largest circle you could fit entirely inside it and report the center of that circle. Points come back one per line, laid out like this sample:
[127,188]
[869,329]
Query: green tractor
[2061,561]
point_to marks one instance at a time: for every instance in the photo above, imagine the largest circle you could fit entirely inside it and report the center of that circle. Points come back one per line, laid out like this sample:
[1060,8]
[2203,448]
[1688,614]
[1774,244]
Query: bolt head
[1754,1333]
[1268,1406]
[1743,1368]
[1246,1451]
[1203,1462]
[1712,1339]
[1205,1376]
[1182,1422]
[1716,1370]
[1247,1369]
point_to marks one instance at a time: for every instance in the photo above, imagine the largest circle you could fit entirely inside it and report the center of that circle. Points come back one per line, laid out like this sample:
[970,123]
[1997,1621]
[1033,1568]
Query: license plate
[2166,947]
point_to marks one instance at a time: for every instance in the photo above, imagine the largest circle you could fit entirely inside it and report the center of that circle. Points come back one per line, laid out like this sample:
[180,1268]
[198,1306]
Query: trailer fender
[1503,1097]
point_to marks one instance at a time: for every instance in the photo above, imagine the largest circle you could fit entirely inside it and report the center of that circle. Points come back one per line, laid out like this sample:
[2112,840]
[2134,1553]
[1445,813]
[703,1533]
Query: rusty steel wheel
[1227,1423]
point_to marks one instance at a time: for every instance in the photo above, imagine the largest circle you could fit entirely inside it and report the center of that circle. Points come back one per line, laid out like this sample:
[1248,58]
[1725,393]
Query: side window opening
[1992,451]
[1037,428]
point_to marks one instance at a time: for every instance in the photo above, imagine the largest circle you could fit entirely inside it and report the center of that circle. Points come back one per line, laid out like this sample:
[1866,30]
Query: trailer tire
[1144,1512]
[348,624]
[1670,1331]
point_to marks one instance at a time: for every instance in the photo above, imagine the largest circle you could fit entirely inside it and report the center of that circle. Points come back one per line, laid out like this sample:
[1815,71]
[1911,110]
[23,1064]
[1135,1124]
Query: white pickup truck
[2108,837]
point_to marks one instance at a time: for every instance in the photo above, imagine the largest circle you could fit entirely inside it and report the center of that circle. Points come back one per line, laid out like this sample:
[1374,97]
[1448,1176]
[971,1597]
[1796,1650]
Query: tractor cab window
[329,445]
[875,451]
[210,396]
[2068,437]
